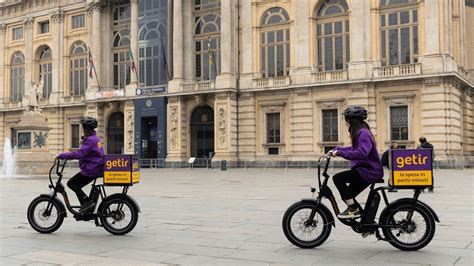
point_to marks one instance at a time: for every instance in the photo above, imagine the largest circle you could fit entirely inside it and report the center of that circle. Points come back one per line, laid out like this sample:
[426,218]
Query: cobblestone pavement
[234,217]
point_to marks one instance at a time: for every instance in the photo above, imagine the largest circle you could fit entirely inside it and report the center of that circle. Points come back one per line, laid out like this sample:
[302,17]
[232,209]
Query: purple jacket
[364,157]
[89,154]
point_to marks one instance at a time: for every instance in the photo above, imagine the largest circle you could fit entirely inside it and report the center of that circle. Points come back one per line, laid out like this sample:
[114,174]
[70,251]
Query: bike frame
[360,227]
[59,188]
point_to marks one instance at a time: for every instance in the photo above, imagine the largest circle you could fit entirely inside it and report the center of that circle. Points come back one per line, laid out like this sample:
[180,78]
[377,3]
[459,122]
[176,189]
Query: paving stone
[141,255]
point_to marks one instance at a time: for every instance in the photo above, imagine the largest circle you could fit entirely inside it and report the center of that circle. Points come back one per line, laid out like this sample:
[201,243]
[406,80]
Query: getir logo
[409,160]
[116,163]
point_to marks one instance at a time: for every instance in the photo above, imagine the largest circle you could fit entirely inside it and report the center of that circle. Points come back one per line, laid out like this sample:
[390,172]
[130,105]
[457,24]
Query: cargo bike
[117,213]
[407,223]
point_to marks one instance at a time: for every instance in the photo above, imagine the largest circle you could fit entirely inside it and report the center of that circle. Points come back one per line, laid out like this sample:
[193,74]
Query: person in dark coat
[424,144]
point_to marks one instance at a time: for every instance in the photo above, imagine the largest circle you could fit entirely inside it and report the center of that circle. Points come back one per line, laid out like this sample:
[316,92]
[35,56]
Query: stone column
[28,21]
[247,42]
[57,30]
[177,129]
[2,63]
[441,121]
[226,77]
[247,126]
[301,73]
[360,66]
[175,83]
[432,61]
[188,41]
[225,127]
[95,9]
[130,89]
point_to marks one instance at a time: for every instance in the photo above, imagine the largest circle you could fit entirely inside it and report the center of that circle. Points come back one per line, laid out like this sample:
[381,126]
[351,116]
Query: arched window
[275,43]
[207,31]
[398,32]
[17,76]
[121,63]
[332,35]
[46,70]
[78,69]
[152,43]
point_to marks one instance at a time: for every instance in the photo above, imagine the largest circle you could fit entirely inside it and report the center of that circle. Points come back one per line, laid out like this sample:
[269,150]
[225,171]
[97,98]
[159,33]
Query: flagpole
[164,58]
[92,65]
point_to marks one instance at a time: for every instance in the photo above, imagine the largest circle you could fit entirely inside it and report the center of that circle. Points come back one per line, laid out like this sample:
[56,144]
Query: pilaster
[95,9]
[226,79]
[247,126]
[360,66]
[246,50]
[177,129]
[3,63]
[57,30]
[225,126]
[175,83]
[28,23]
[301,124]
[130,88]
[129,127]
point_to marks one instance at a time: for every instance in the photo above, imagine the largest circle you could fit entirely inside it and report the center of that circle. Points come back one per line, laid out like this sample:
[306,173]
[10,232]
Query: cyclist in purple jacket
[366,167]
[90,162]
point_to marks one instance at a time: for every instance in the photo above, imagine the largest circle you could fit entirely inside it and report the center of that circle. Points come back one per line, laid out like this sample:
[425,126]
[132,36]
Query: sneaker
[87,206]
[349,213]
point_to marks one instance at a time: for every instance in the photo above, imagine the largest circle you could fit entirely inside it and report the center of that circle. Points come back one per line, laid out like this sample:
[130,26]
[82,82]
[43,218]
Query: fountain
[8,166]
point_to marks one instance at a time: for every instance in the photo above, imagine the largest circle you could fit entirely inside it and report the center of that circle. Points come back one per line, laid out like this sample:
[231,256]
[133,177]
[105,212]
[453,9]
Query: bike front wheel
[408,233]
[118,216]
[303,232]
[45,215]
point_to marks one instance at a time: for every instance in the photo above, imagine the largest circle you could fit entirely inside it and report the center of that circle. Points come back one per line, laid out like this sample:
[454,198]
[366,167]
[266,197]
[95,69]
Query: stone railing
[206,85]
[330,76]
[398,70]
[272,82]
[469,75]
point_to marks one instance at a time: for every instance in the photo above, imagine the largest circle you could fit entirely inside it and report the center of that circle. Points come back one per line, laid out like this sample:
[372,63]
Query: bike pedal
[364,235]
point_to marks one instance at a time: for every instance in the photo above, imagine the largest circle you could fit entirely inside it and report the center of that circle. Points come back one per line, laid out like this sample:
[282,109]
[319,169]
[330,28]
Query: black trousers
[356,184]
[77,182]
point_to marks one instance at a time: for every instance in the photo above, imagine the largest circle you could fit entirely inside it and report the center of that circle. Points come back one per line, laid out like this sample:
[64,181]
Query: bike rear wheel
[118,216]
[302,232]
[44,215]
[416,232]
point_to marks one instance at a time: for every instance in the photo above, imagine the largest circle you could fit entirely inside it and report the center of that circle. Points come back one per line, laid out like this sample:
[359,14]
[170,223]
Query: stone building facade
[243,80]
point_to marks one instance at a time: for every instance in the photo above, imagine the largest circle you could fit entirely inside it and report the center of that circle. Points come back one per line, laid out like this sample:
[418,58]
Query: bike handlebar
[56,164]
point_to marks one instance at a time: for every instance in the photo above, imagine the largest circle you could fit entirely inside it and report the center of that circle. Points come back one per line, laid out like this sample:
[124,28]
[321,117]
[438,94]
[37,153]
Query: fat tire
[286,224]
[427,216]
[111,229]
[32,220]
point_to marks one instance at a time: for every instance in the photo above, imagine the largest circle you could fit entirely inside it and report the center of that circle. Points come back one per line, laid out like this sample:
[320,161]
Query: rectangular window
[393,46]
[24,140]
[405,45]
[399,122]
[273,128]
[44,27]
[75,136]
[330,125]
[77,21]
[17,33]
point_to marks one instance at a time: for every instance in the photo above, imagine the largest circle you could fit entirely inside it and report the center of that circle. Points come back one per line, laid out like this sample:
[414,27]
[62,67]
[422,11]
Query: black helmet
[89,122]
[355,112]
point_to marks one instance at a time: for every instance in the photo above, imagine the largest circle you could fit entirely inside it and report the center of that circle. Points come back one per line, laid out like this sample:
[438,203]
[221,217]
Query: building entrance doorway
[149,137]
[115,133]
[202,132]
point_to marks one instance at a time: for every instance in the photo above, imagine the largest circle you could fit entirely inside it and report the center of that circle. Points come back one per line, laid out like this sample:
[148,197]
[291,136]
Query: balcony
[192,86]
[272,82]
[326,76]
[468,75]
[398,70]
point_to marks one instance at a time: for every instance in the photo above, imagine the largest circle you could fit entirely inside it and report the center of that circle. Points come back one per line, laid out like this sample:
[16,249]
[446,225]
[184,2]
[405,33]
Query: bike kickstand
[97,222]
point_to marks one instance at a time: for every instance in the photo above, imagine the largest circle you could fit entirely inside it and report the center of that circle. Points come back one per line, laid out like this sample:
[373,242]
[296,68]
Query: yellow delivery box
[121,170]
[411,168]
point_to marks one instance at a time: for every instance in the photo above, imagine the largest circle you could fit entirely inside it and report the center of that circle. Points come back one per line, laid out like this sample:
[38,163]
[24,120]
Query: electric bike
[117,213]
[407,223]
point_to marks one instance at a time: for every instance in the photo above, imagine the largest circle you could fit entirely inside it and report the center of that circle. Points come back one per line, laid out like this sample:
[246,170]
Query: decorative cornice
[57,16]
[432,82]
[97,5]
[359,87]
[28,21]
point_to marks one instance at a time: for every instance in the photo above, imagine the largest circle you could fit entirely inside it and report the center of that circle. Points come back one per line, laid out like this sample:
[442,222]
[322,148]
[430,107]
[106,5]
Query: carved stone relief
[221,124]
[174,128]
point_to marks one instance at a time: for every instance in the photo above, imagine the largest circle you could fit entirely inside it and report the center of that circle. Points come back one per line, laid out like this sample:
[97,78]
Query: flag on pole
[132,61]
[165,65]
[91,65]
[211,55]
[92,68]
